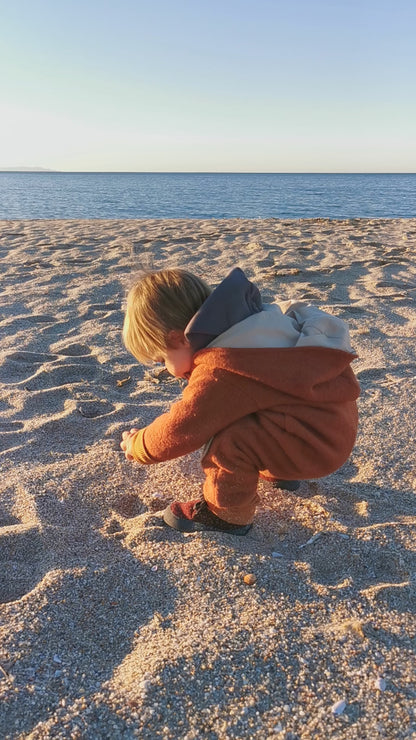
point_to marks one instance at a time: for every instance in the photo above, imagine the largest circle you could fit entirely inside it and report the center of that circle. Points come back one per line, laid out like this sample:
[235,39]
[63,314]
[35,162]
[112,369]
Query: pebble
[277,555]
[249,578]
[380,683]
[311,540]
[338,707]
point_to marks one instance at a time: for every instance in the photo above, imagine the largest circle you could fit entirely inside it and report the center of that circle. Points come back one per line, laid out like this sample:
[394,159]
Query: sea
[112,195]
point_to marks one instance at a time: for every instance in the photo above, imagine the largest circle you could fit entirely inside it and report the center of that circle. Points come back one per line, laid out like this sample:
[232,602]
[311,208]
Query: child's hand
[126,443]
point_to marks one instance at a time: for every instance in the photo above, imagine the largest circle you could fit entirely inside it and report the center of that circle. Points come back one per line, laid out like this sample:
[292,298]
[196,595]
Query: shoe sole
[186,525]
[287,485]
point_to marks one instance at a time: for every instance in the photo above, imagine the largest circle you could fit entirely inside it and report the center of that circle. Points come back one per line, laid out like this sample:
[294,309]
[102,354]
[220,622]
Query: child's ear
[177,339]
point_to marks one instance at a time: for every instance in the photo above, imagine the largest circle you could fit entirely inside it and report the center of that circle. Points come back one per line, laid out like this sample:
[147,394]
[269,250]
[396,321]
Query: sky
[208,85]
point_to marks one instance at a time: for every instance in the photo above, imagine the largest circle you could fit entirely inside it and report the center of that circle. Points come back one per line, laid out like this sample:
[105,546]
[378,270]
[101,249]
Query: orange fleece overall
[279,413]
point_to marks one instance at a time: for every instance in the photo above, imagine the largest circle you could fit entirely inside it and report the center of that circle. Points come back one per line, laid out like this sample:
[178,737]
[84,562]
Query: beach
[114,626]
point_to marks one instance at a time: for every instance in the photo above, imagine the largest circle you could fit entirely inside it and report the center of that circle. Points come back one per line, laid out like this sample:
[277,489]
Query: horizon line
[42,170]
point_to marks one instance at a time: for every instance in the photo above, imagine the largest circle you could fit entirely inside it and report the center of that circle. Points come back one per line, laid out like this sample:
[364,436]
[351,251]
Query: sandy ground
[114,626]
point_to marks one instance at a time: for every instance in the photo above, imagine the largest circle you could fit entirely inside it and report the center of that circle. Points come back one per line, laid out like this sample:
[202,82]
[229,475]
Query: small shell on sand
[249,578]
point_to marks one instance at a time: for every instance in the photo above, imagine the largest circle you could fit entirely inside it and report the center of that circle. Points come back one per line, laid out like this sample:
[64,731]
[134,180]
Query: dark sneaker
[287,485]
[194,516]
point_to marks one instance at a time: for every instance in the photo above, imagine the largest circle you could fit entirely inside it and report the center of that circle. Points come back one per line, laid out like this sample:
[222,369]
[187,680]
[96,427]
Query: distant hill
[25,169]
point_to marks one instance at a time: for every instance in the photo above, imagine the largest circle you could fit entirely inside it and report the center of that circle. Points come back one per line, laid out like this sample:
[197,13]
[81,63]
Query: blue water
[55,195]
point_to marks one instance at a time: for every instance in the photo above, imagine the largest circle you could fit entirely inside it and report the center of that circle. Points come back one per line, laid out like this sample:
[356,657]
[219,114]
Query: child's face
[178,357]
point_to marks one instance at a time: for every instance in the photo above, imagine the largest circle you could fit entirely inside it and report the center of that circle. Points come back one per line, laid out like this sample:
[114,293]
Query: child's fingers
[129,433]
[125,442]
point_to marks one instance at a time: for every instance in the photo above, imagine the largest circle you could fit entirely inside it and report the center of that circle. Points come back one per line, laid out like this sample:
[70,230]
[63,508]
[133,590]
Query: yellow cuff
[139,450]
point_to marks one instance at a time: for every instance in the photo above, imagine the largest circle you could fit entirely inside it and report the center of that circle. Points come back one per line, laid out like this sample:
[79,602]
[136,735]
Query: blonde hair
[158,303]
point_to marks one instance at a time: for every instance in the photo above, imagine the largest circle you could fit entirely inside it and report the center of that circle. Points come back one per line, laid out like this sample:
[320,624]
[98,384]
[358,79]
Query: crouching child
[270,391]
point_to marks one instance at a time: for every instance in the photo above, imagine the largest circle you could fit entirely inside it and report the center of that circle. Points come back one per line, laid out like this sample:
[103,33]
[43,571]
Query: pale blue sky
[208,85]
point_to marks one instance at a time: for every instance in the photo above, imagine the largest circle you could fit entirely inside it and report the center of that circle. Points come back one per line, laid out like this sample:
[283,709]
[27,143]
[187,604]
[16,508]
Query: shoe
[287,485]
[194,516]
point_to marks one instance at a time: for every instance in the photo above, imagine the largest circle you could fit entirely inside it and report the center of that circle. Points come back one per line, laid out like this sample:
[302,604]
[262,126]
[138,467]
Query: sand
[113,625]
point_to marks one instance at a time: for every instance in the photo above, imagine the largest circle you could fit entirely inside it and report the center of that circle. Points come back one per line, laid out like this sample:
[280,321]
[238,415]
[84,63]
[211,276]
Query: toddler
[270,391]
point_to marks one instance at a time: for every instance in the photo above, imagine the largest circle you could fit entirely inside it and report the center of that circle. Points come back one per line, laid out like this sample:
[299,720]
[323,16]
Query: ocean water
[56,195]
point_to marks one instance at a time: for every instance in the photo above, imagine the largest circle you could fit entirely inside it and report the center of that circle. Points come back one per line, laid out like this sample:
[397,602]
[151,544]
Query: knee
[228,448]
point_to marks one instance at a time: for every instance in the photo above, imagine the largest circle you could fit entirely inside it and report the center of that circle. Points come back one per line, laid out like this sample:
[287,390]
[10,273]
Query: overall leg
[232,463]
[231,466]
[230,488]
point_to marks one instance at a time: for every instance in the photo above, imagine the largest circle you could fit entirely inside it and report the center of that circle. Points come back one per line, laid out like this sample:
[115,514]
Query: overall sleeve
[209,403]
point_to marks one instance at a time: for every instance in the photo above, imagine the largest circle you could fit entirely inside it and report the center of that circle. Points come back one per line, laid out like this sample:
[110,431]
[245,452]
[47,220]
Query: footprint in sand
[401,372]
[59,327]
[19,366]
[334,560]
[22,323]
[128,505]
[310,295]
[21,547]
[94,409]
[74,350]
[352,310]
[371,374]
[61,375]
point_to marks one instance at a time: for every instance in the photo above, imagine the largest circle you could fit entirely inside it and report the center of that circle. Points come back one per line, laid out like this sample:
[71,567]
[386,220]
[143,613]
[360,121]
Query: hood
[297,325]
[232,301]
